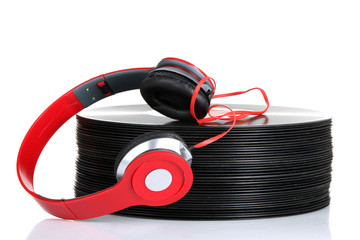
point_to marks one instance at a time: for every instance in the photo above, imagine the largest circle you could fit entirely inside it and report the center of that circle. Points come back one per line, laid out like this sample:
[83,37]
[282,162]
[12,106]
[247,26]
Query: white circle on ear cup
[158,180]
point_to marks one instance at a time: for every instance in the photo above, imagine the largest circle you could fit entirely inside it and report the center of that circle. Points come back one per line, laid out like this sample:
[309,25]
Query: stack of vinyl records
[270,165]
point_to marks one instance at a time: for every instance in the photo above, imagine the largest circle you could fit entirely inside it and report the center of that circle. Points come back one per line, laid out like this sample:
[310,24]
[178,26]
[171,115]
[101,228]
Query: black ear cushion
[170,94]
[143,138]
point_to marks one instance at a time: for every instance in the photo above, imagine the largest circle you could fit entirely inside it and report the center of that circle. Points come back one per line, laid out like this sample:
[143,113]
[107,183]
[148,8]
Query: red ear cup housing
[157,152]
[170,94]
[182,177]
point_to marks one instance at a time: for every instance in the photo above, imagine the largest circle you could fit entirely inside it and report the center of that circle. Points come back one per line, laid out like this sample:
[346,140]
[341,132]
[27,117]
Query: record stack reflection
[271,165]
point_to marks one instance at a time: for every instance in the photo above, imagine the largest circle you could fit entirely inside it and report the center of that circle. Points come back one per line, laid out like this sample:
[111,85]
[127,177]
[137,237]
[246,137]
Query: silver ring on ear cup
[156,144]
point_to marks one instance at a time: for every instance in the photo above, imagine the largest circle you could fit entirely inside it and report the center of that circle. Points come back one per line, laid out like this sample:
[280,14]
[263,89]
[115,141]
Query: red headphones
[153,169]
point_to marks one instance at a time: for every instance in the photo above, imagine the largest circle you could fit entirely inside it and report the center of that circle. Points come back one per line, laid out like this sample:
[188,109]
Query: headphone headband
[172,88]
[52,119]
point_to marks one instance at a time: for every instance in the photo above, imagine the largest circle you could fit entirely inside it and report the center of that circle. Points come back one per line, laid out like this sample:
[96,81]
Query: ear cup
[170,94]
[142,139]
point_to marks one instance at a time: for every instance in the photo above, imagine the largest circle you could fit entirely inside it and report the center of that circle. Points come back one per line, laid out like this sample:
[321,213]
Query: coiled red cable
[231,115]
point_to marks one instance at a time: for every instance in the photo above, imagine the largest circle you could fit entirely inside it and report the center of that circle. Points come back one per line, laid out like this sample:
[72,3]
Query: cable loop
[231,115]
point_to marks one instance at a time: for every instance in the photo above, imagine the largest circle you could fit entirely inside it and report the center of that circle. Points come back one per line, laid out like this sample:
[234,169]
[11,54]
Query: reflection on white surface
[308,226]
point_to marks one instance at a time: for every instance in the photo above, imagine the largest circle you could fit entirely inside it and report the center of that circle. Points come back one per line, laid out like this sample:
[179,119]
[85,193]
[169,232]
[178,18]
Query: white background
[303,53]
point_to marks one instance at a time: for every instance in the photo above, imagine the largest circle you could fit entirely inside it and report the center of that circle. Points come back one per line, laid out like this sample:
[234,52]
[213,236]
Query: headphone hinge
[105,88]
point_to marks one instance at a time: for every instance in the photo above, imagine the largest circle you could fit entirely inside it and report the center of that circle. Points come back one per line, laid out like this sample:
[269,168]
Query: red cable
[231,115]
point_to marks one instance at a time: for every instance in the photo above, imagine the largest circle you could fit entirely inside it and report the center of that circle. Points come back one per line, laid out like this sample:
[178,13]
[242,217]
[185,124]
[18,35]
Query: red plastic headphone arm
[37,137]
[40,133]
[35,140]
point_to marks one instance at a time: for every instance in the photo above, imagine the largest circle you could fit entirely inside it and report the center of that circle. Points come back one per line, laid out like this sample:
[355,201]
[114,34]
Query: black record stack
[271,165]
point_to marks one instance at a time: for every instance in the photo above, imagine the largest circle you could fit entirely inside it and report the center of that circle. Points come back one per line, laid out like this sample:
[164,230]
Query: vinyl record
[270,165]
